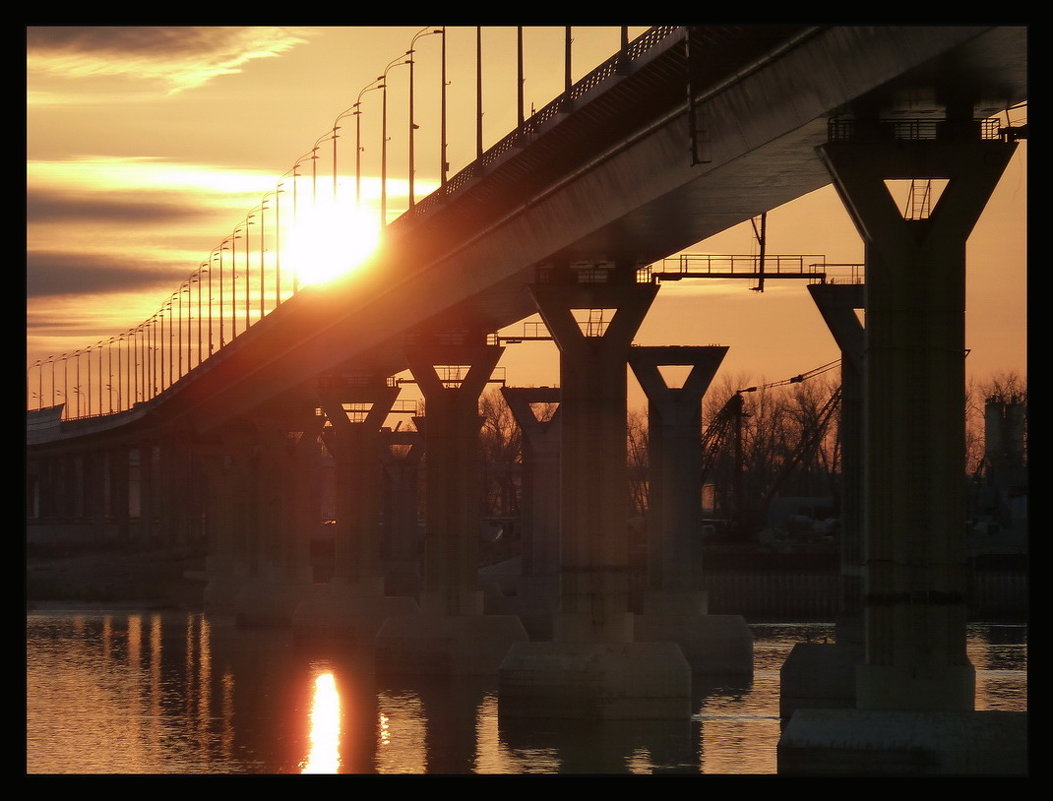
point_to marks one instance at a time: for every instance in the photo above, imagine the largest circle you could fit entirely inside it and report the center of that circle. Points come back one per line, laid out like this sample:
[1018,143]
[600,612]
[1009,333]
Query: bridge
[684,133]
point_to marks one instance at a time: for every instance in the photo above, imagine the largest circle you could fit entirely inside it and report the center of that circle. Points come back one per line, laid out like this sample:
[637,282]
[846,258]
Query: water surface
[133,693]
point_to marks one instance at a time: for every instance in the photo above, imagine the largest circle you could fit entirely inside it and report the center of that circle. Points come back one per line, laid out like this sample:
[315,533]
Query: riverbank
[113,574]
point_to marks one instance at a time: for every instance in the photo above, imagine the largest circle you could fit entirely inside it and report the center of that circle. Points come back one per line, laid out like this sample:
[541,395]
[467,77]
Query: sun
[329,241]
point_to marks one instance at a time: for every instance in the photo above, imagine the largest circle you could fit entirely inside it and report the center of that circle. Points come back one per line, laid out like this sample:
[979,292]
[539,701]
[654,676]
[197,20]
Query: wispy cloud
[178,58]
[53,273]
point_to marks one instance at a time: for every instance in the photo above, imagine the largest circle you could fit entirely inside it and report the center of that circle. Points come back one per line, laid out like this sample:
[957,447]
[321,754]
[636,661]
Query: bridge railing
[812,268]
[842,130]
[560,105]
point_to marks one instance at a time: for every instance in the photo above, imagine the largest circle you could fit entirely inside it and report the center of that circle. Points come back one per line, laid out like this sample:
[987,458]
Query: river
[129,692]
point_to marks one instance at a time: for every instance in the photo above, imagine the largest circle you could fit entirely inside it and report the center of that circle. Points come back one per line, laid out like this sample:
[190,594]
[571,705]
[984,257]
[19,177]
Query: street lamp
[234,282]
[277,244]
[384,137]
[203,268]
[376,83]
[248,244]
[412,127]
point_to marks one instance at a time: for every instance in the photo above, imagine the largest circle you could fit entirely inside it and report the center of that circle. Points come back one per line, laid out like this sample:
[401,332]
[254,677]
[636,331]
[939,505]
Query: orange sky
[147,146]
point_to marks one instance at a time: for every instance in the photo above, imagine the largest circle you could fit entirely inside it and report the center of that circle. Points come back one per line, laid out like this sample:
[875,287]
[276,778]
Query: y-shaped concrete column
[915,690]
[822,675]
[284,445]
[401,549]
[594,668]
[538,586]
[914,413]
[353,603]
[675,604]
[452,636]
[226,458]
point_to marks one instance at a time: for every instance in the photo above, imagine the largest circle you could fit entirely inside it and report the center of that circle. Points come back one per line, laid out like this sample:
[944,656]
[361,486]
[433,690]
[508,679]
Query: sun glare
[329,241]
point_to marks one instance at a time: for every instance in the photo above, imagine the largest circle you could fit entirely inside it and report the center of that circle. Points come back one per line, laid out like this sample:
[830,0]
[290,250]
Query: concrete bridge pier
[915,690]
[822,675]
[401,547]
[537,587]
[594,668]
[226,459]
[277,576]
[451,635]
[353,603]
[675,605]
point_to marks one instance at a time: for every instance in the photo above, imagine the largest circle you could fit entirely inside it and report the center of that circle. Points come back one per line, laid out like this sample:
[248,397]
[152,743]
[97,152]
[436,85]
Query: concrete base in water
[712,644]
[855,742]
[267,602]
[598,681]
[819,676]
[435,644]
[350,612]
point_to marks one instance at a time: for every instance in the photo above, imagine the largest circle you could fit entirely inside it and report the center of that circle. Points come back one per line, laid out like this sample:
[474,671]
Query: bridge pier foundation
[915,684]
[675,606]
[451,635]
[594,668]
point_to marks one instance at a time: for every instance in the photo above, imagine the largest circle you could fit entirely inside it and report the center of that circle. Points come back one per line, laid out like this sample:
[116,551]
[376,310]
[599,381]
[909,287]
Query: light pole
[76,387]
[222,299]
[51,359]
[234,283]
[248,245]
[40,383]
[109,374]
[376,83]
[65,383]
[193,279]
[384,139]
[203,268]
[412,127]
[277,242]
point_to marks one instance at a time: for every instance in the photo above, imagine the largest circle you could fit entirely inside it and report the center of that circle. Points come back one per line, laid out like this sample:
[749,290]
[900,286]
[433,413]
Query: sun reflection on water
[323,755]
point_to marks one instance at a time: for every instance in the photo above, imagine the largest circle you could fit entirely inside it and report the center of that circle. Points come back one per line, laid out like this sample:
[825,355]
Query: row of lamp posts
[148,362]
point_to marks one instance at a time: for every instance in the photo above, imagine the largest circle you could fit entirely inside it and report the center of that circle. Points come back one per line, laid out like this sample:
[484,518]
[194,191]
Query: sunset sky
[147,146]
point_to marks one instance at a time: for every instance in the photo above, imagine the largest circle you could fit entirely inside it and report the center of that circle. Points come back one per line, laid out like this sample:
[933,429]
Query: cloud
[178,57]
[53,273]
[54,207]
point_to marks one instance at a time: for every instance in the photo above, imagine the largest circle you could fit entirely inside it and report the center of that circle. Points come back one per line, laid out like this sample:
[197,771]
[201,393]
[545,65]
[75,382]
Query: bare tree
[501,442]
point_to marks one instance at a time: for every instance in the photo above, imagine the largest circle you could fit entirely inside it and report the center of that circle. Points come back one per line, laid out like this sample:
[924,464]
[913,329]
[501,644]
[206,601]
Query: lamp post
[76,387]
[109,373]
[202,269]
[100,345]
[234,282]
[376,83]
[87,392]
[384,138]
[211,270]
[40,383]
[222,298]
[65,382]
[193,279]
[179,333]
[412,126]
[277,242]
[248,244]
[51,360]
